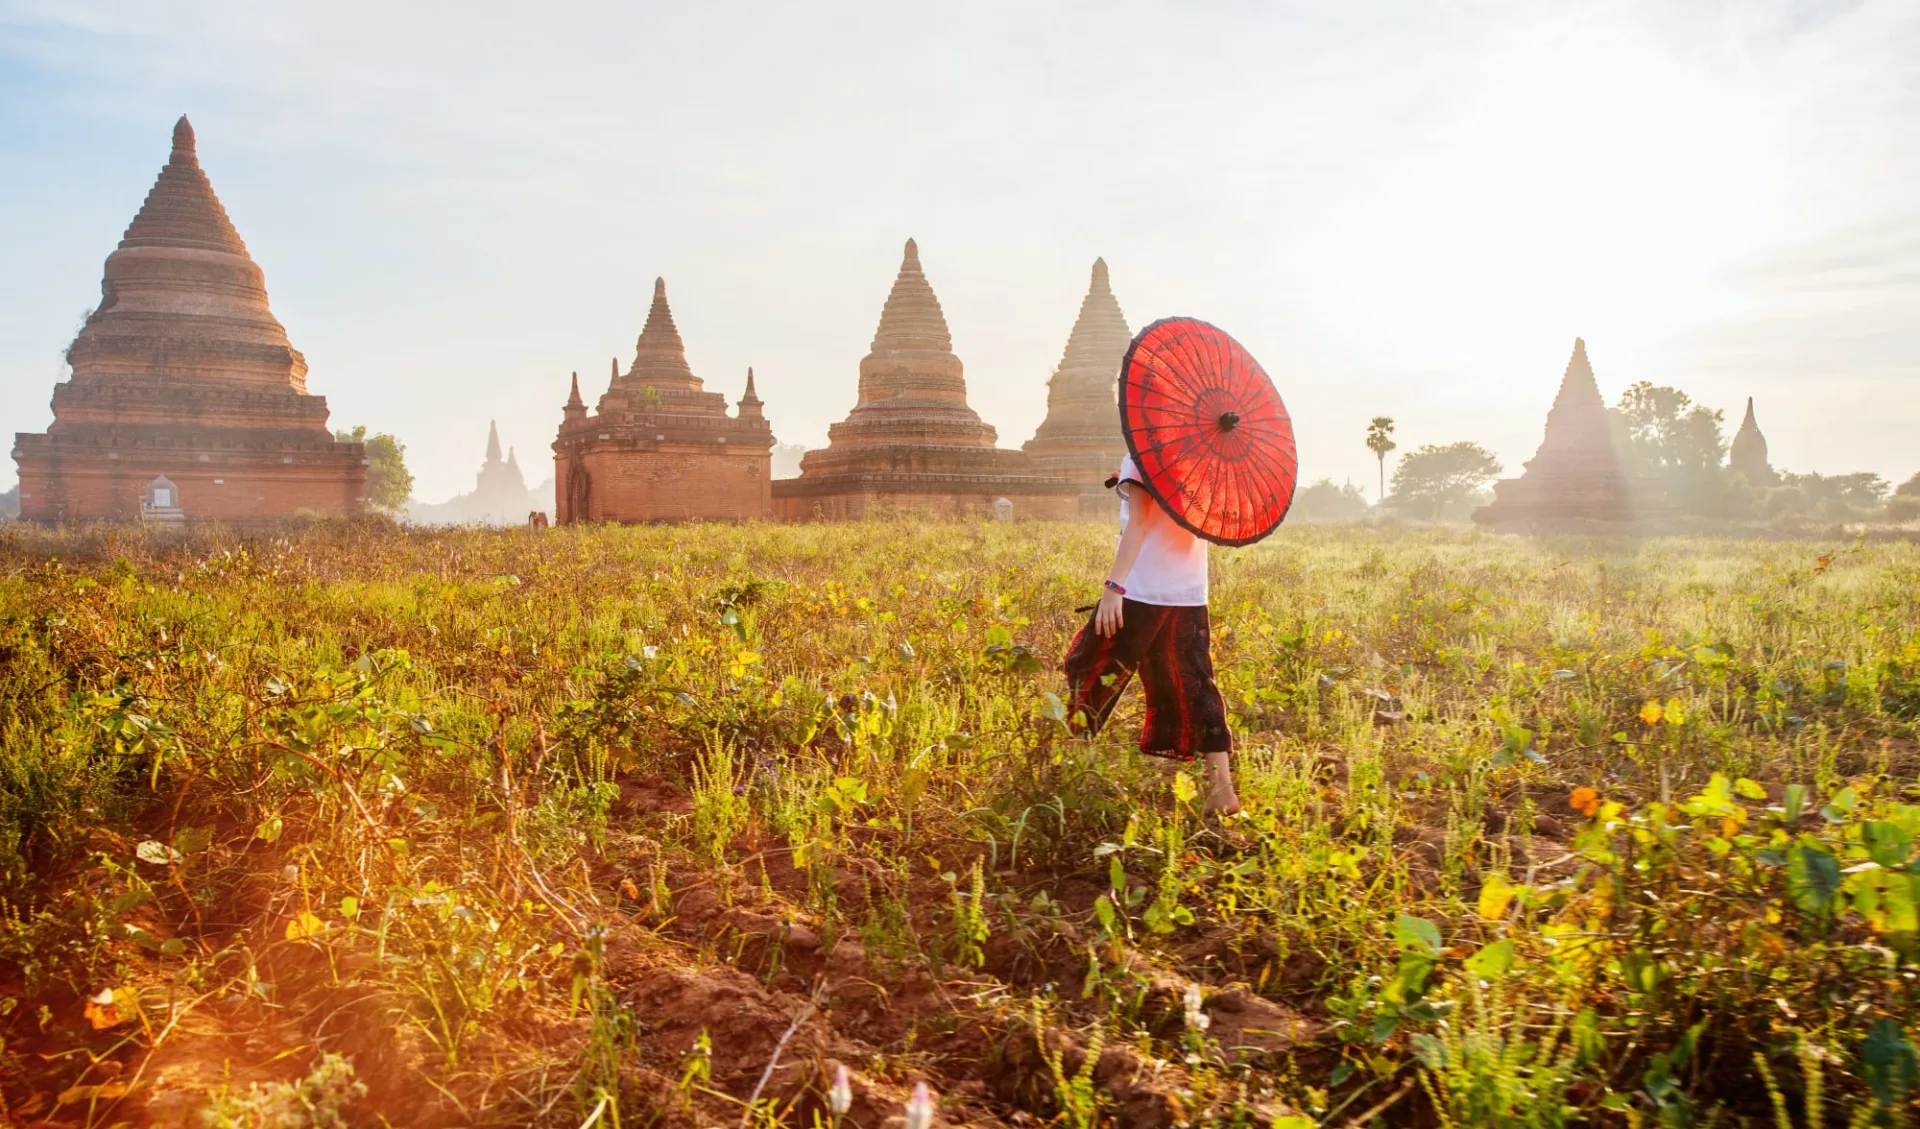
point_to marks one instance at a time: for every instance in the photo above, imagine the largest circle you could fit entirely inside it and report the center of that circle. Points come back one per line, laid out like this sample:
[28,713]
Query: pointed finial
[493,441]
[1580,346]
[912,259]
[1100,273]
[511,460]
[750,393]
[183,138]
[573,395]
[616,368]
[659,289]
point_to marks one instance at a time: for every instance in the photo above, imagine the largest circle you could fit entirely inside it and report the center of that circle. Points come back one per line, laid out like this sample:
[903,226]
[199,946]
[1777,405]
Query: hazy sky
[1401,208]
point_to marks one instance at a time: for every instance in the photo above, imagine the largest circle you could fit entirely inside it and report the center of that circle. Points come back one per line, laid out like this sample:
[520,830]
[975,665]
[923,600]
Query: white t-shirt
[1172,567]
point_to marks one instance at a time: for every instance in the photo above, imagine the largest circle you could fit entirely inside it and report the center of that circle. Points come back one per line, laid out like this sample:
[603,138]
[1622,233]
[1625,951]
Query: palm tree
[1380,441]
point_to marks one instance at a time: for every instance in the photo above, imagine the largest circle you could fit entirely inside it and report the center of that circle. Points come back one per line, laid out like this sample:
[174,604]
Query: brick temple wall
[65,487]
[685,484]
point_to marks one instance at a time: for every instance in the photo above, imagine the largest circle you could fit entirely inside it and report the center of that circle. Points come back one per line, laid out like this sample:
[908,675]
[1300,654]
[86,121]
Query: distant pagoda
[1748,455]
[659,446]
[1080,438]
[187,401]
[499,495]
[1576,481]
[911,442]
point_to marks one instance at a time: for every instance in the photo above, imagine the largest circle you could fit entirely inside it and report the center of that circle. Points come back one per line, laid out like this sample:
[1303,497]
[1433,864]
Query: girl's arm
[1141,512]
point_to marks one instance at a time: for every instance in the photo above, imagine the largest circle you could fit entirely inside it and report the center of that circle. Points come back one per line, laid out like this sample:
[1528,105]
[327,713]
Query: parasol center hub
[1229,420]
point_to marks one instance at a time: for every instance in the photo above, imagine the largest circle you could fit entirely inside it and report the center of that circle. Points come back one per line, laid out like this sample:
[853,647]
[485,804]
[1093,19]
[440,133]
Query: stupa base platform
[86,484]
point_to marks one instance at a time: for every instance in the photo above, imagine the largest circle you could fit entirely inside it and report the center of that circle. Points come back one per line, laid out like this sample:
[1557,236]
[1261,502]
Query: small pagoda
[187,401]
[1577,480]
[911,442]
[1080,438]
[659,446]
[1748,455]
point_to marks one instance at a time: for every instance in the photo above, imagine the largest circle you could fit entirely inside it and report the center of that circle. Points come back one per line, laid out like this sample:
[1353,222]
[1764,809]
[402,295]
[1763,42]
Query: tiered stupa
[1080,438]
[1748,455]
[911,442]
[659,446]
[185,388]
[1576,480]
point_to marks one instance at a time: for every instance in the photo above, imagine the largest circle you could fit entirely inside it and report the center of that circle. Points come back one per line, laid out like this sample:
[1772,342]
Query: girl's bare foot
[1221,799]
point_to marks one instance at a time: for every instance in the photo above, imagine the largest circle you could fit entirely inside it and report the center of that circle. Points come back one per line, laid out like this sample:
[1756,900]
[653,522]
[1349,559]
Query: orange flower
[101,1011]
[1584,800]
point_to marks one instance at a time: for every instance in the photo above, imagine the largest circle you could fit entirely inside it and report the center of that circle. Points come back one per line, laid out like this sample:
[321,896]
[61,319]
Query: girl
[1153,618]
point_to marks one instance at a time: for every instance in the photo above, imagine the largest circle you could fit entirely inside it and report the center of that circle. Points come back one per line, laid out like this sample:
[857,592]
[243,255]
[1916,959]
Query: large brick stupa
[187,401]
[911,442]
[659,446]
[1080,438]
[1577,481]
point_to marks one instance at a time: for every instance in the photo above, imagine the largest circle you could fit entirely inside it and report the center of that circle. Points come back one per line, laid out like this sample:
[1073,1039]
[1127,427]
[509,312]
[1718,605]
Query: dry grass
[659,825]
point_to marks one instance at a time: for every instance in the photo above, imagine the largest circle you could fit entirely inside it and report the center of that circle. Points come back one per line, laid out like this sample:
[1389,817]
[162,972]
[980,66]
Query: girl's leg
[1098,667]
[1185,714]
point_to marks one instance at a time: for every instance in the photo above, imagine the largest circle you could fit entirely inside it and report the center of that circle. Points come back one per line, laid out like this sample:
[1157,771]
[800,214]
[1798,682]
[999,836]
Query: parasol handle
[1229,420]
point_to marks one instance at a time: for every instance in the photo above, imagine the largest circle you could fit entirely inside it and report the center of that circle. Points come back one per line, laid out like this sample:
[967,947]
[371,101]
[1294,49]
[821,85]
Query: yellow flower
[1651,713]
[1584,800]
[1495,896]
[304,927]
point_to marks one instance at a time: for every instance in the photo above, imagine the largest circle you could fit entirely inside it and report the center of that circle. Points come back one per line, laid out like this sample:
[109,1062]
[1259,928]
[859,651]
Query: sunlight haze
[1401,209]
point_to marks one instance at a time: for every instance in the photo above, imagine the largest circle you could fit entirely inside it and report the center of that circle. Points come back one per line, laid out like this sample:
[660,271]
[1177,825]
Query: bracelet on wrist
[1116,589]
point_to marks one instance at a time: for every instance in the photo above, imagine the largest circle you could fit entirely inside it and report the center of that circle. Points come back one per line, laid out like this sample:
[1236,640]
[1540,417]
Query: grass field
[663,826]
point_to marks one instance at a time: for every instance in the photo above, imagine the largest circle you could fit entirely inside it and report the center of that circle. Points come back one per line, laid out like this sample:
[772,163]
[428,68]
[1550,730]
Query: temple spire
[576,408]
[181,210]
[750,407]
[659,356]
[1747,455]
[913,390]
[1079,438]
[1097,342]
[493,442]
[513,464]
[912,318]
[1576,474]
[1578,418]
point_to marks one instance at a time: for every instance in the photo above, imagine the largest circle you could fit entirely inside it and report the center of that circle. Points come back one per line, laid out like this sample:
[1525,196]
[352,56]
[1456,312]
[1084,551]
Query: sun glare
[1589,194]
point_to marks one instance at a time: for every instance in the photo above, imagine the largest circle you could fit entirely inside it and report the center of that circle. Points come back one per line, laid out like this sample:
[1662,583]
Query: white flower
[920,1108]
[840,1097]
[1197,1018]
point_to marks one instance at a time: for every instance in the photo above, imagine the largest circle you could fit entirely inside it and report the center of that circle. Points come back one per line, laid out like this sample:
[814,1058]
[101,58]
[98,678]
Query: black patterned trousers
[1171,649]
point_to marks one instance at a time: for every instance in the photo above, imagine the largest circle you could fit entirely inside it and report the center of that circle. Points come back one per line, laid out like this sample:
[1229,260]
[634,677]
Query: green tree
[1670,438]
[1904,506]
[389,483]
[1323,501]
[1839,495]
[1442,482]
[1380,441]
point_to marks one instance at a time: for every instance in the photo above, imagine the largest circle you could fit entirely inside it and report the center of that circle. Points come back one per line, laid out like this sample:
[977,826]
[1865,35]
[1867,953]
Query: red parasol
[1213,442]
